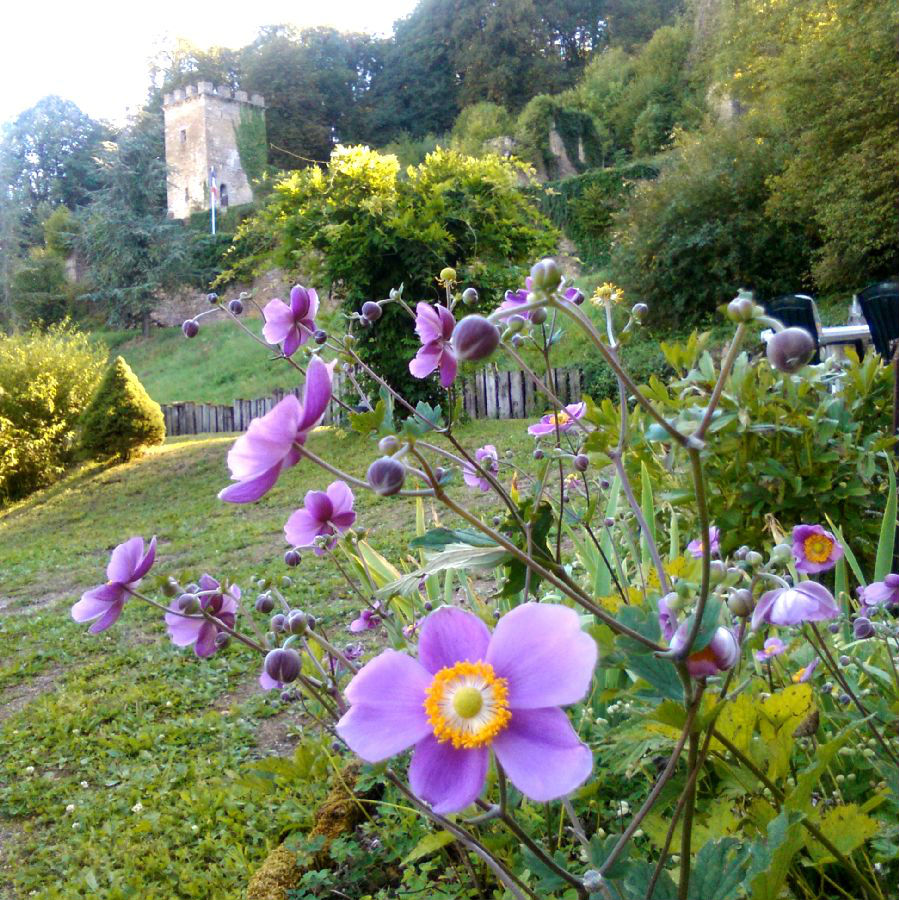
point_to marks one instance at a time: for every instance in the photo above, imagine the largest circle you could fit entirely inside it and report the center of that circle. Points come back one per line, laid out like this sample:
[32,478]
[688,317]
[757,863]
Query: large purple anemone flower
[326,513]
[470,692]
[291,325]
[434,326]
[127,565]
[807,601]
[270,443]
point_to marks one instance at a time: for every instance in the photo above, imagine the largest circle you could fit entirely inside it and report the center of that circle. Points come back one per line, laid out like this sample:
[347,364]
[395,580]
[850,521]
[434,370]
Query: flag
[213,190]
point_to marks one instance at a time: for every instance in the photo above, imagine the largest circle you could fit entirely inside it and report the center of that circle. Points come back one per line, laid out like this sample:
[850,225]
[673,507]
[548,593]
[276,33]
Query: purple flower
[198,630]
[881,593]
[696,547]
[127,565]
[469,693]
[353,651]
[771,648]
[807,601]
[270,443]
[667,617]
[805,673]
[720,654]
[565,420]
[291,326]
[573,295]
[815,549]
[367,620]
[434,325]
[515,299]
[326,513]
[489,460]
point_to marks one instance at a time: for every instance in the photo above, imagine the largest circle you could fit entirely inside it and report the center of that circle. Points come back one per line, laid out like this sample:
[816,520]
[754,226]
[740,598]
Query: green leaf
[440,538]
[415,427]
[547,880]
[710,617]
[771,858]
[429,844]
[365,423]
[636,883]
[884,561]
[599,851]
[847,550]
[847,828]
[649,513]
[454,556]
[719,868]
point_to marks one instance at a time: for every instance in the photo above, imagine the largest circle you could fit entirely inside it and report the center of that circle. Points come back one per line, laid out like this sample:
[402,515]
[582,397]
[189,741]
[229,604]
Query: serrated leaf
[771,858]
[719,868]
[847,827]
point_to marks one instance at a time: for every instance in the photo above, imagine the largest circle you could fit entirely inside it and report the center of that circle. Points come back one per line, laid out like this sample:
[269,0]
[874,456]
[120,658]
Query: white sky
[96,52]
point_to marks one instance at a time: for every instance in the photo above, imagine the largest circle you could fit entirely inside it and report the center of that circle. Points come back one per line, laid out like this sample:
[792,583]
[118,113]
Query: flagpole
[212,197]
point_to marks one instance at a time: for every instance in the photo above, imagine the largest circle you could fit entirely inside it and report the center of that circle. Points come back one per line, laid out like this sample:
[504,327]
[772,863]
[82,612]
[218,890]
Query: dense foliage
[366,229]
[46,381]
[121,418]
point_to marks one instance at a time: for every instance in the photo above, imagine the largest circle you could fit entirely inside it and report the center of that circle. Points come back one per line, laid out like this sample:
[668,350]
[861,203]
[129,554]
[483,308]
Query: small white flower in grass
[168,702]
[29,770]
[84,784]
[194,828]
[138,807]
[70,808]
[76,825]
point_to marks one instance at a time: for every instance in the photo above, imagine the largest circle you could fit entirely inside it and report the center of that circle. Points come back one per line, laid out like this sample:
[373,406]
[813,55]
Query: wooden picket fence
[489,394]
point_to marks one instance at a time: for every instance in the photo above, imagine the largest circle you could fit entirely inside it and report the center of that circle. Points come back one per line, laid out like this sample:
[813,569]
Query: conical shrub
[122,417]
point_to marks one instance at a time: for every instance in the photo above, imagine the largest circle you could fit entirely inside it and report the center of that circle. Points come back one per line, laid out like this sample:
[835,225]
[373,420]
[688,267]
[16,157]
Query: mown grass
[124,718]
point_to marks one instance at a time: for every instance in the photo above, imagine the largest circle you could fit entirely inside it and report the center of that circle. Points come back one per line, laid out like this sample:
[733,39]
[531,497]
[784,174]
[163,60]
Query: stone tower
[200,123]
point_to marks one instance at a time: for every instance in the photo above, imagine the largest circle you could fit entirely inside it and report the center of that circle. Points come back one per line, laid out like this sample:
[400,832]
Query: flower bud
[320,336]
[740,603]
[389,444]
[236,307]
[470,296]
[593,881]
[222,639]
[789,350]
[265,603]
[545,275]
[212,298]
[283,665]
[189,604]
[169,587]
[514,324]
[581,462]
[782,553]
[371,311]
[717,571]
[286,581]
[639,311]
[608,521]
[538,454]
[845,660]
[288,696]
[292,558]
[278,623]
[516,341]
[754,559]
[538,315]
[297,621]
[475,338]
[862,628]
[740,309]
[190,327]
[386,476]
[448,275]
[834,628]
[573,295]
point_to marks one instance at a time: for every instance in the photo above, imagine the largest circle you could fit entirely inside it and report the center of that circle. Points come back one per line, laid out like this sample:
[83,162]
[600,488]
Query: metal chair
[880,307]
[797,311]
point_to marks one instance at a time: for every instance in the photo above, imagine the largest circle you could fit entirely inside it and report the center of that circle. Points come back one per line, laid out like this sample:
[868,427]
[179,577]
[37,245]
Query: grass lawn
[145,741]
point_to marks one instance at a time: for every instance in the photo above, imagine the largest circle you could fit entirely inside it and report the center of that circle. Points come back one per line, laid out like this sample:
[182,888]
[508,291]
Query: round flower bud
[782,553]
[428,606]
[754,559]
[448,275]
[740,309]
[283,665]
[789,350]
[312,622]
[386,476]
[639,311]
[834,627]
[189,604]
[292,558]
[222,639]
[538,315]
[845,660]
[286,581]
[389,444]
[236,307]
[581,462]
[862,628]
[516,341]
[740,603]
[169,587]
[265,603]
[514,324]
[575,296]
[288,696]
[190,327]
[608,521]
[717,571]
[475,338]
[212,298]
[845,698]
[470,296]
[538,454]
[278,623]
[593,881]
[297,621]
[371,311]
[320,336]
[545,275]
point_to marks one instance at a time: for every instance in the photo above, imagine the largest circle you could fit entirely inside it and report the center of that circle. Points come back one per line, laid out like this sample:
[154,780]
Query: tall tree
[133,250]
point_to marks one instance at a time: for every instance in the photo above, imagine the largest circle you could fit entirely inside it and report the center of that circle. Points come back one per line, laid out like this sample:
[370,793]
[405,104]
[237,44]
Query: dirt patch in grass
[18,697]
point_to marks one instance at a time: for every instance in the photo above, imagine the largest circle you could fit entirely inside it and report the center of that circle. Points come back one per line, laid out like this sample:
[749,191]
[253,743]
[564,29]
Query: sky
[96,53]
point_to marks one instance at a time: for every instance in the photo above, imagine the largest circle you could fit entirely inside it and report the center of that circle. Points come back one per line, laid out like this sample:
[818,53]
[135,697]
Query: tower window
[183,135]
[223,193]
[186,195]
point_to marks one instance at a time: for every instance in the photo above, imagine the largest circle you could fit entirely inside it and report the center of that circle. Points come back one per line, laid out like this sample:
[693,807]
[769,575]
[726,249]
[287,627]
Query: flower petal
[109,617]
[267,683]
[428,325]
[252,488]
[124,560]
[425,361]
[447,778]
[545,655]
[299,301]
[302,529]
[146,563]
[183,631]
[96,602]
[341,498]
[291,341]
[450,635]
[205,645]
[542,754]
[267,441]
[448,367]
[316,393]
[278,321]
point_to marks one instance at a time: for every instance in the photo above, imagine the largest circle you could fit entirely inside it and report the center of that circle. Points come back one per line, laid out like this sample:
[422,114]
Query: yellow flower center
[818,547]
[467,704]
[797,676]
[562,418]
